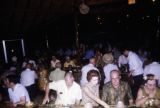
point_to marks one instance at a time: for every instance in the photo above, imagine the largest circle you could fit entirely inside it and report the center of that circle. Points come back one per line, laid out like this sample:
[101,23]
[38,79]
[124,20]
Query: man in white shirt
[53,62]
[122,60]
[136,70]
[28,79]
[85,69]
[68,91]
[108,59]
[58,73]
[17,93]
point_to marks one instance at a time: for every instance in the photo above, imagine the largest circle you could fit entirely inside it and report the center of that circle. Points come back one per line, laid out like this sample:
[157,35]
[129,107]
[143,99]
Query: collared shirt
[84,71]
[18,92]
[111,95]
[153,68]
[56,75]
[122,60]
[66,96]
[135,64]
[107,69]
[28,77]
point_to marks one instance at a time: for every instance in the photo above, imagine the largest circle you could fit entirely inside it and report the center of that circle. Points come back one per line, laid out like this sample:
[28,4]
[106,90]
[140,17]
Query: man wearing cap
[108,59]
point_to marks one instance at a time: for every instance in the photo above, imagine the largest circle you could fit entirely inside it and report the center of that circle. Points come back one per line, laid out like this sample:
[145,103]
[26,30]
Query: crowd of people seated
[91,78]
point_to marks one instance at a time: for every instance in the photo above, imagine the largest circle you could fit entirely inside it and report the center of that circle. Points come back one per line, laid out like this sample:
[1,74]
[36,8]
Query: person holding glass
[117,91]
[148,94]
[90,91]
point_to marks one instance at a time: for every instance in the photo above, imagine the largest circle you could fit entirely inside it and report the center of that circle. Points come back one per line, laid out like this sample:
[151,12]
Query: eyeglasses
[151,84]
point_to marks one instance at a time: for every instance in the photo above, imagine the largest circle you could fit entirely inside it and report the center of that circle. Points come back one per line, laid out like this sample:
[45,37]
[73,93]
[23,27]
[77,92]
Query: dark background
[115,22]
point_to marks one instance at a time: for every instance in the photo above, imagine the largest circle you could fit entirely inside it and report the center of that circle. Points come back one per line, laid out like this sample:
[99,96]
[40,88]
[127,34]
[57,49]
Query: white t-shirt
[84,71]
[28,77]
[66,96]
[107,69]
[18,92]
[122,60]
[135,64]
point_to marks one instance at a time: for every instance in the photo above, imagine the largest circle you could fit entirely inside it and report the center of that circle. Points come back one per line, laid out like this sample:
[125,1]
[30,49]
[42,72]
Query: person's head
[92,61]
[11,80]
[150,81]
[58,65]
[115,78]
[69,79]
[126,52]
[108,58]
[68,58]
[54,58]
[14,59]
[29,65]
[93,77]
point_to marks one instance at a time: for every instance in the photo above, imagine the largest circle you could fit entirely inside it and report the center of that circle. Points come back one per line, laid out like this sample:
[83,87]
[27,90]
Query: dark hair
[13,78]
[150,77]
[92,73]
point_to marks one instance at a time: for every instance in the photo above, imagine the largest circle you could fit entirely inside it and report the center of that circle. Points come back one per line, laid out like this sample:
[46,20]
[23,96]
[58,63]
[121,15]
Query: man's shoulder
[108,84]
[18,87]
[62,71]
[123,83]
[75,84]
[60,81]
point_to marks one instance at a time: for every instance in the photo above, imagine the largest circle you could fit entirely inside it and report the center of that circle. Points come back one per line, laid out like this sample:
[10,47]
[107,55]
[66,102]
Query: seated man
[68,91]
[68,63]
[57,74]
[17,93]
[116,90]
[149,94]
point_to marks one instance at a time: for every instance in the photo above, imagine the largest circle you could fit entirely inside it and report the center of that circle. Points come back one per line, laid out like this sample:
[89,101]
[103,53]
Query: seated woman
[90,91]
[148,95]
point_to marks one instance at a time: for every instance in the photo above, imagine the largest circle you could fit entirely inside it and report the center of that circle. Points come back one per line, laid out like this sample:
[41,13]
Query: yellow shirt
[66,64]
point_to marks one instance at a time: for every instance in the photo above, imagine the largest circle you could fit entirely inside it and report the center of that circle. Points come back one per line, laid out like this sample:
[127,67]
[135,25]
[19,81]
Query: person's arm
[95,98]
[129,93]
[104,94]
[140,98]
[21,102]
[46,98]
[78,96]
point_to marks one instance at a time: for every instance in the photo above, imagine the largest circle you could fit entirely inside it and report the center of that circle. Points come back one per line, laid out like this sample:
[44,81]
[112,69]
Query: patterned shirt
[150,101]
[94,90]
[111,95]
